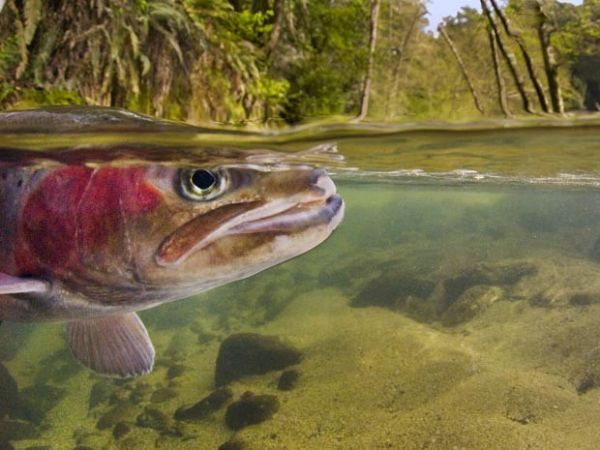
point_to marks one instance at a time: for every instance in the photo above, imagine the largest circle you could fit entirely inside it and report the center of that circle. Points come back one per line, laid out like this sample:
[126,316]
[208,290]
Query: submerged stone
[288,380]
[175,370]
[590,378]
[502,274]
[38,400]
[16,430]
[584,298]
[153,418]
[472,302]
[121,412]
[100,393]
[121,429]
[391,290]
[206,406]
[233,444]
[595,252]
[141,392]
[163,394]
[252,354]
[9,393]
[251,409]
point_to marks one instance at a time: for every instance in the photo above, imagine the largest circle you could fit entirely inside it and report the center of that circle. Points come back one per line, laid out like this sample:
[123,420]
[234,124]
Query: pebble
[288,380]
[120,412]
[206,406]
[121,429]
[251,409]
[233,444]
[252,354]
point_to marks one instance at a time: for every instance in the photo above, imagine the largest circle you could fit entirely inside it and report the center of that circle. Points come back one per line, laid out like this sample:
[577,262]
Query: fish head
[226,223]
[152,232]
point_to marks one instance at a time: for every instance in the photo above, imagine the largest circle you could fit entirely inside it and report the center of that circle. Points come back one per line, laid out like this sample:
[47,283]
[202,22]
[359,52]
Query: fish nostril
[325,185]
[315,175]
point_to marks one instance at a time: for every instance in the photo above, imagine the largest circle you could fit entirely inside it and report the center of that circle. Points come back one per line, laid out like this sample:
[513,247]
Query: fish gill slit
[78,210]
[130,254]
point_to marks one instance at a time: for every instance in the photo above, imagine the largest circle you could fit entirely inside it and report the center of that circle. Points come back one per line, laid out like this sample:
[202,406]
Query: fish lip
[298,217]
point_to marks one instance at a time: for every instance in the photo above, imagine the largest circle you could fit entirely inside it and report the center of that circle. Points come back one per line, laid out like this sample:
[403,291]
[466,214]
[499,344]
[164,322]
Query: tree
[508,57]
[463,68]
[366,89]
[544,30]
[500,84]
[529,63]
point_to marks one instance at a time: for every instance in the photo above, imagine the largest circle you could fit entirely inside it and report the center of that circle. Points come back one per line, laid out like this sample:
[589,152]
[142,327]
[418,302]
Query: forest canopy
[291,61]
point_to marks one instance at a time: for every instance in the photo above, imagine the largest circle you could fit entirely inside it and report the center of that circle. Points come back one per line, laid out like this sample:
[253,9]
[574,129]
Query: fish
[93,244]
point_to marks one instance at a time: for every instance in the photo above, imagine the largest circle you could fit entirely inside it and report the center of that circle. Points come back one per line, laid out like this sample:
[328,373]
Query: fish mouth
[301,216]
[284,216]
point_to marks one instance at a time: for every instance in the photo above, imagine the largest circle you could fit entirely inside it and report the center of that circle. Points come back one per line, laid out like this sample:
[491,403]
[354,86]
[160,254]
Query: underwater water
[456,307]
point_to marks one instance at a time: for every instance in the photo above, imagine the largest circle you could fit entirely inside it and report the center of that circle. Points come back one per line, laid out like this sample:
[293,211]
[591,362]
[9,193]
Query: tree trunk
[498,71]
[463,68]
[279,12]
[400,56]
[508,57]
[549,60]
[366,89]
[516,35]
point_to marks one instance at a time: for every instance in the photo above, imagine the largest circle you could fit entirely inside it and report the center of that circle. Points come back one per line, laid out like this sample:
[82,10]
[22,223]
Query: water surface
[457,306]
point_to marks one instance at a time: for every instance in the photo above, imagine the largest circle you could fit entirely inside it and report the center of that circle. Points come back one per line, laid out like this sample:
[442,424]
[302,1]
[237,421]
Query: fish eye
[201,184]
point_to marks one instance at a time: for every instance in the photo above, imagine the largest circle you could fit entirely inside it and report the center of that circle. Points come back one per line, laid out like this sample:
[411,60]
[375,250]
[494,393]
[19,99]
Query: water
[457,306]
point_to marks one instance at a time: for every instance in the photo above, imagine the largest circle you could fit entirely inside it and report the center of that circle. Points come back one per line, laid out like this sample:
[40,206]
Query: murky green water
[457,307]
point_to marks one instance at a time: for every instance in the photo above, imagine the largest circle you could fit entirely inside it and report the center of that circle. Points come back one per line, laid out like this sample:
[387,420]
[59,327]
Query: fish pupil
[203,179]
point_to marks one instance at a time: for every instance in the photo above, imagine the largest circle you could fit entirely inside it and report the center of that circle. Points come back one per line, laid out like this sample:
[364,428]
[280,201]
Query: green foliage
[243,61]
[9,55]
[326,81]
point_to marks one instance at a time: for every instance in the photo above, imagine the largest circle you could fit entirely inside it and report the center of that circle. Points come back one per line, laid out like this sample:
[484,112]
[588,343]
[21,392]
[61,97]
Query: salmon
[90,245]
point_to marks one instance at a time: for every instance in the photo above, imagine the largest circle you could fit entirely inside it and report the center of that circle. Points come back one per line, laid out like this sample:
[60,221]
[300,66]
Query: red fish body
[92,245]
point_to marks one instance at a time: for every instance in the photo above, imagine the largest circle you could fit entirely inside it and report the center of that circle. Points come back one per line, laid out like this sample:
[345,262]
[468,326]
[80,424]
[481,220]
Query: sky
[438,9]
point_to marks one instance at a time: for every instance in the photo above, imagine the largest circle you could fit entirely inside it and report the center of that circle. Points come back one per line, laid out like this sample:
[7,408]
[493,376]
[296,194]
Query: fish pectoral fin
[117,345]
[19,285]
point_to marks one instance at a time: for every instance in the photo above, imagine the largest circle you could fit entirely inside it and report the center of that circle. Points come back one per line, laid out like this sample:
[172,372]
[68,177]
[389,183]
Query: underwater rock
[203,335]
[140,393]
[206,406]
[473,301]
[16,430]
[101,392]
[251,409]
[38,447]
[232,444]
[288,380]
[584,298]
[120,430]
[13,337]
[591,372]
[57,368]
[595,252]
[175,370]
[121,412]
[391,290]
[153,418]
[163,394]
[5,445]
[9,393]
[502,274]
[38,400]
[252,354]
